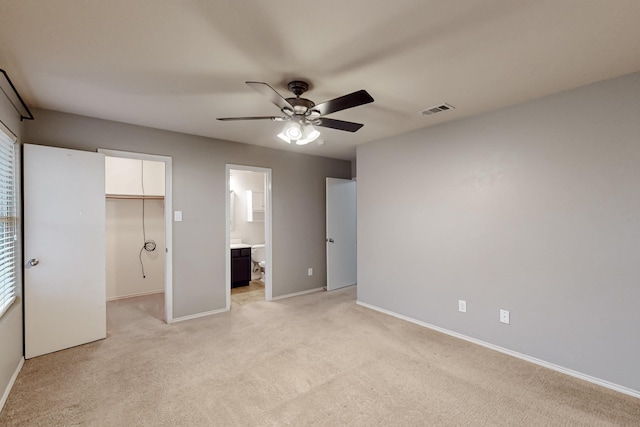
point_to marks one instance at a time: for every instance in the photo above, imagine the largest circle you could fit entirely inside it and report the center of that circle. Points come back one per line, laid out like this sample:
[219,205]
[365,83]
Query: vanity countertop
[239,246]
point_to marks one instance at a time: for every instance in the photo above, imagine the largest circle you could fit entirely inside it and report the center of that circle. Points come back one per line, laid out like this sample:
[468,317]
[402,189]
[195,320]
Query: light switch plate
[177,216]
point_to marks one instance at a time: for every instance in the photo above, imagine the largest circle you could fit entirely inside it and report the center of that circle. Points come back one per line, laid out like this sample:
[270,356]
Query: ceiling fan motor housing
[300,105]
[298,87]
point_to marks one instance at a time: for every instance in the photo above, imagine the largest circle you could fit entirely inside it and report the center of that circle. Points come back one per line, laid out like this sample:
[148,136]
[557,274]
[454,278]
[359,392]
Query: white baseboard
[197,315]
[296,294]
[5,395]
[570,372]
[140,294]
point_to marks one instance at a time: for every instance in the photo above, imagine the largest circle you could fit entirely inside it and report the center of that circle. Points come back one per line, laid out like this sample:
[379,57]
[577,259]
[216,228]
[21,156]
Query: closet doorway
[138,224]
[248,234]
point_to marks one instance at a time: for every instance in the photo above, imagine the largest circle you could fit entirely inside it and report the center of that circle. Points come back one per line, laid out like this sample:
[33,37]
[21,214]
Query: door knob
[34,261]
[330,240]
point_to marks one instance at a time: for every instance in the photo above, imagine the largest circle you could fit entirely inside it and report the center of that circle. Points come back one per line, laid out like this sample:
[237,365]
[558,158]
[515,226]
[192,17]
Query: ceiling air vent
[438,108]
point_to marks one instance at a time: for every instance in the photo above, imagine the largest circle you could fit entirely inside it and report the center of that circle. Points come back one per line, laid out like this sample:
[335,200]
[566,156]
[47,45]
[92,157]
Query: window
[7,222]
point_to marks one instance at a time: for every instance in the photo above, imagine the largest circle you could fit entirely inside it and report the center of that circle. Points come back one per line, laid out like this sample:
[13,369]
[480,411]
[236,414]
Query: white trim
[297,294]
[168,220]
[5,396]
[198,315]
[268,284]
[140,294]
[570,372]
[8,131]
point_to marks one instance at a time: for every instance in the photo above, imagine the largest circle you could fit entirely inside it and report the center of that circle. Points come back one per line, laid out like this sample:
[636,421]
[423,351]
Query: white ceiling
[178,65]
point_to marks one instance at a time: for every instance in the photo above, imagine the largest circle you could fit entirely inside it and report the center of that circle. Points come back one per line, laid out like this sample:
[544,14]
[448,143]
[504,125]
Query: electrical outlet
[462,306]
[310,271]
[504,316]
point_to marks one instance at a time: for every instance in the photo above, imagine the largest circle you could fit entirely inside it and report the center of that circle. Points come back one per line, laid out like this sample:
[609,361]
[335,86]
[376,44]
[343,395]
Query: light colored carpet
[317,359]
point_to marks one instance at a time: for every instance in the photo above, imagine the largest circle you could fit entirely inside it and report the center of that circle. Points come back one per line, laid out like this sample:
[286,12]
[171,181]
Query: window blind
[7,222]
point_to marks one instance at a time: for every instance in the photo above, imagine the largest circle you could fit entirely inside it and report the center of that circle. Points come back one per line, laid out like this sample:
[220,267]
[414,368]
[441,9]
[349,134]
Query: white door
[341,233]
[64,248]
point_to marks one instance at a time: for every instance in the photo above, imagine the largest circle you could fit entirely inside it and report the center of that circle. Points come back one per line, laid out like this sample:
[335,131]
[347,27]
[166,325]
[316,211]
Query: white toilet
[259,261]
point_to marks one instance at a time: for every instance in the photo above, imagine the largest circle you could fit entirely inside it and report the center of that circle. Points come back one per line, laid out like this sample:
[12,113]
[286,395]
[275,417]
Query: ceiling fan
[302,114]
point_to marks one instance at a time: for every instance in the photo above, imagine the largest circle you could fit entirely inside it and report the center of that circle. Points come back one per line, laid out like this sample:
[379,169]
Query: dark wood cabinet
[240,267]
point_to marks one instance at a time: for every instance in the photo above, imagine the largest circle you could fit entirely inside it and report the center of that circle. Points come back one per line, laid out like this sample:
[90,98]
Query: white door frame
[268,290]
[168,225]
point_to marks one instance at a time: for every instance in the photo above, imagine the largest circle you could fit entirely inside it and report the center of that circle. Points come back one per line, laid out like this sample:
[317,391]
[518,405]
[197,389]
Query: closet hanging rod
[14,97]
[132,196]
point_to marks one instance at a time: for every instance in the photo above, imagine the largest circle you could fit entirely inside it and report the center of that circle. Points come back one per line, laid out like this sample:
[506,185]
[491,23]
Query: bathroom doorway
[248,235]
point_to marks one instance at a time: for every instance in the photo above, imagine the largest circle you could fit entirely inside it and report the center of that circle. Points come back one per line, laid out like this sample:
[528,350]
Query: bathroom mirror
[255,206]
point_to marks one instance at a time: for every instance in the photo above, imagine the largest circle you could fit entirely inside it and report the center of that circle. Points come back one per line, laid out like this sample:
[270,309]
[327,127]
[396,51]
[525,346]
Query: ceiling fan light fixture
[293,130]
[298,133]
[309,134]
[283,137]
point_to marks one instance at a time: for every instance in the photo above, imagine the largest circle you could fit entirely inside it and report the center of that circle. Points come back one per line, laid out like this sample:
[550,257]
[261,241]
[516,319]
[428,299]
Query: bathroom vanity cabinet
[240,267]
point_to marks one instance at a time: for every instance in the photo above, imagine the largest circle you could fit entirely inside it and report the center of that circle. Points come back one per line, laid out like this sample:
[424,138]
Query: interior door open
[64,247]
[341,238]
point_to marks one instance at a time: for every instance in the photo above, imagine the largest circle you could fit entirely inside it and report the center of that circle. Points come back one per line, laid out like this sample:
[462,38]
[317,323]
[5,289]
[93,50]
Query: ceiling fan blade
[270,93]
[351,100]
[277,119]
[338,124]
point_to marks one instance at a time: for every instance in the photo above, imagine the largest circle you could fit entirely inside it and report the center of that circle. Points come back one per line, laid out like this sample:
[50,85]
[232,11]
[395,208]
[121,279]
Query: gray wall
[298,192]
[11,345]
[534,209]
